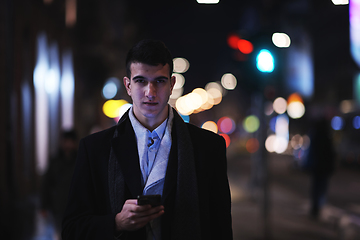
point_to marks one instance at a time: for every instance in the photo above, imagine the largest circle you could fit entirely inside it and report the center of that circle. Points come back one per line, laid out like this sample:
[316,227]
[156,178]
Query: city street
[289,203]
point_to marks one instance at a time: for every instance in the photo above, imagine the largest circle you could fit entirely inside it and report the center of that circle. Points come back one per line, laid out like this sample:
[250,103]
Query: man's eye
[140,81]
[160,80]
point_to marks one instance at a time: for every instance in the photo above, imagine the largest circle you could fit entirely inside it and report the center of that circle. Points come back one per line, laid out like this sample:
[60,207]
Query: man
[150,151]
[57,179]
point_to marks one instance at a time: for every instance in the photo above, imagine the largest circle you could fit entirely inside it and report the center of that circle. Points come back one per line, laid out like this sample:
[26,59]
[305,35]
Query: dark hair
[151,52]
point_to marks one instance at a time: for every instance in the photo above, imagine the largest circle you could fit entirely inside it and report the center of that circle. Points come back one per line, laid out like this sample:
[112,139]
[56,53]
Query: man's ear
[172,82]
[127,85]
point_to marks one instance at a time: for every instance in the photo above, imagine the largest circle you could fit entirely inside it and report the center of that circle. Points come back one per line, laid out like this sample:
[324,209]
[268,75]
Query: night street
[289,203]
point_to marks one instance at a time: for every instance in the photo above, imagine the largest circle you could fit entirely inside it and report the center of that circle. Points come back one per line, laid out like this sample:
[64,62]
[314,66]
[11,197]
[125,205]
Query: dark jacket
[88,214]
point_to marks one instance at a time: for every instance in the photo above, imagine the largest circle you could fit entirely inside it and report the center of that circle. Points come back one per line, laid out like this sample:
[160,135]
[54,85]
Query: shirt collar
[142,132]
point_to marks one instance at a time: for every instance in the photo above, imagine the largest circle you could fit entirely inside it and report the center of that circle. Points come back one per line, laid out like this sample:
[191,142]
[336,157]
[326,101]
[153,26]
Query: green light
[251,123]
[265,61]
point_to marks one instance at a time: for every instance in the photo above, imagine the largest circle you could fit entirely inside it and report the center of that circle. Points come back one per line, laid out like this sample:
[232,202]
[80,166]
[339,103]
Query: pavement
[288,203]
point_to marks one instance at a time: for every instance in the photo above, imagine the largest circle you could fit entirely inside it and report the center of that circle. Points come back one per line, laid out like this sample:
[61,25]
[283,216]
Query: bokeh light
[251,123]
[280,105]
[111,108]
[356,122]
[111,88]
[203,94]
[280,144]
[245,46]
[340,2]
[296,110]
[215,95]
[211,126]
[268,109]
[272,123]
[233,40]
[228,81]
[294,97]
[269,143]
[180,80]
[265,61]
[337,123]
[176,93]
[227,139]
[281,40]
[252,145]
[226,125]
[346,106]
[182,107]
[296,141]
[186,118]
[181,65]
[208,1]
[215,85]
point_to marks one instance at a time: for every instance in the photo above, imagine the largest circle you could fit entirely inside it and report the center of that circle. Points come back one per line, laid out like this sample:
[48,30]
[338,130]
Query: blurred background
[267,75]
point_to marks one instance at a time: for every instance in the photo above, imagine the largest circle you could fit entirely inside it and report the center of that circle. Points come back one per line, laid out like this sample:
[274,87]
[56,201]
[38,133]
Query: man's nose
[151,90]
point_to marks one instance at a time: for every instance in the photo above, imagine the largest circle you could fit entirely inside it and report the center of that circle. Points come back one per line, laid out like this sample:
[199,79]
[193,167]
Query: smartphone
[153,200]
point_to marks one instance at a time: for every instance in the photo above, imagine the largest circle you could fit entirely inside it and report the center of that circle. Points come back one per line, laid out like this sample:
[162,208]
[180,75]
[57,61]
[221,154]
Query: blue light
[356,122]
[186,118]
[337,123]
[111,88]
[265,61]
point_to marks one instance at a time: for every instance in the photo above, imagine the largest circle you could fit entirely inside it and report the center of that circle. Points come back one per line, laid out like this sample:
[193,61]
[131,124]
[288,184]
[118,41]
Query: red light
[233,41]
[245,46]
[252,145]
[227,139]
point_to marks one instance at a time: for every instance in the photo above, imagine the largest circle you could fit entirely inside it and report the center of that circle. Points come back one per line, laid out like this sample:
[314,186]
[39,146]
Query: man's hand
[133,216]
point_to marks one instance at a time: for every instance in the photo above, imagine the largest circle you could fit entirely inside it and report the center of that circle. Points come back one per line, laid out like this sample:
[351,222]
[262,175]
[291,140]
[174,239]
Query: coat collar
[125,149]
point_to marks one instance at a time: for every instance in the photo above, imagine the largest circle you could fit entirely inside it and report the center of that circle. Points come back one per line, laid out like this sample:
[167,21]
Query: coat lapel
[125,149]
[171,172]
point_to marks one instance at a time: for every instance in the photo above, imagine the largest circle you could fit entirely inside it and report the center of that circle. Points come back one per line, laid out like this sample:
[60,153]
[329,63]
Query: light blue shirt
[153,149]
[158,153]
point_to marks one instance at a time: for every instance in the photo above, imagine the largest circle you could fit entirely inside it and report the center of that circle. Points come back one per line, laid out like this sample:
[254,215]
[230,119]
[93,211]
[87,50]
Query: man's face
[150,88]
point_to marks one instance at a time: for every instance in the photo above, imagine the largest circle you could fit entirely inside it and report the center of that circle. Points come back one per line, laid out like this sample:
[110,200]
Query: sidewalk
[288,214]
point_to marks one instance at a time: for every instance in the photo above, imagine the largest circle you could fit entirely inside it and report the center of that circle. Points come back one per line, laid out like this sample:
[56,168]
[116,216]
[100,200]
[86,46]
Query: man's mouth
[150,103]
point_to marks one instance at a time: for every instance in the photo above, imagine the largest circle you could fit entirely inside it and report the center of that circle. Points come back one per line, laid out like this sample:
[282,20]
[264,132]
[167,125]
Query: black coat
[88,214]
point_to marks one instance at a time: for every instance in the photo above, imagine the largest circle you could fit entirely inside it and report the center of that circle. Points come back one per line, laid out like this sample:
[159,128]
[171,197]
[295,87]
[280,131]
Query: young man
[150,151]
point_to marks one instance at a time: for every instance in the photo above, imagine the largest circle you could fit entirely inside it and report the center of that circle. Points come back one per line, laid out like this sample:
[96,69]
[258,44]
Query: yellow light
[181,65]
[182,107]
[251,123]
[211,126]
[228,81]
[281,40]
[202,93]
[111,108]
[193,100]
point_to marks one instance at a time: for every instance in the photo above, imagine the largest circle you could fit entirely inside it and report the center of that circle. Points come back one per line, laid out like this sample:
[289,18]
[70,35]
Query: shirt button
[152,149]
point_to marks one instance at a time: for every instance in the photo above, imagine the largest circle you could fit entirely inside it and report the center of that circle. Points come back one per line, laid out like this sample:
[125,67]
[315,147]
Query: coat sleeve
[220,197]
[86,215]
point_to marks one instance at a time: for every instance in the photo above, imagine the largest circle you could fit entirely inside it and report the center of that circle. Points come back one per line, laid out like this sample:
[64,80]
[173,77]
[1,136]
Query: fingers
[134,216]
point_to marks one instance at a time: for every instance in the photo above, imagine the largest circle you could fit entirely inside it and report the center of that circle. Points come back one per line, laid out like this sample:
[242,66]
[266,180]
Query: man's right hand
[133,216]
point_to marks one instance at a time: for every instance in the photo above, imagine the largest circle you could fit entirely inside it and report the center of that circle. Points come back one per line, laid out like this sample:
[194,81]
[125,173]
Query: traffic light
[265,61]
